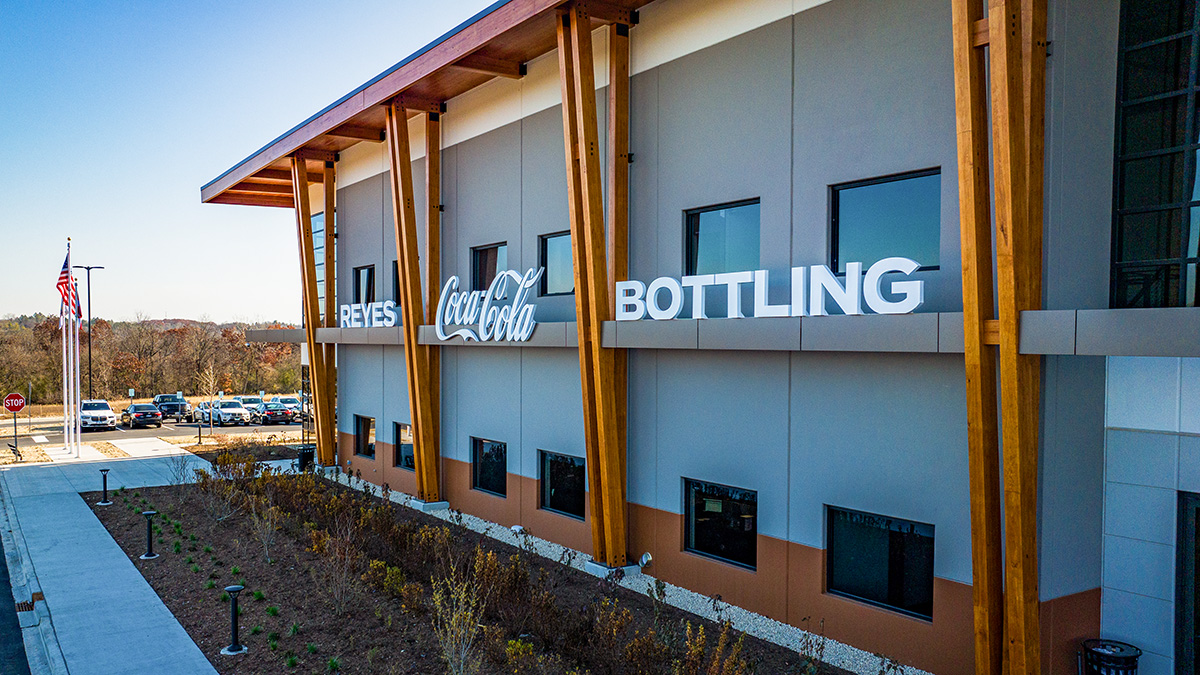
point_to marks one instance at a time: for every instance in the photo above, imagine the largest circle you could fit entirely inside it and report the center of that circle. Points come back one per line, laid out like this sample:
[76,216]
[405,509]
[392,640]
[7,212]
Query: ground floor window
[403,438]
[489,466]
[364,436]
[881,560]
[562,479]
[721,521]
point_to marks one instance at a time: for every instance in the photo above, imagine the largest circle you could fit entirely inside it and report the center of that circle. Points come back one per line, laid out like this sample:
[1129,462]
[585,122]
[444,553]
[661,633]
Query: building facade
[812,467]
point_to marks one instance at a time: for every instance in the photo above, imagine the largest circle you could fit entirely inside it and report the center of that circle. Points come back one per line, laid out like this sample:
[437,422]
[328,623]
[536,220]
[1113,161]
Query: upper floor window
[882,560]
[887,217]
[1156,210]
[485,262]
[396,282]
[555,258]
[364,284]
[721,238]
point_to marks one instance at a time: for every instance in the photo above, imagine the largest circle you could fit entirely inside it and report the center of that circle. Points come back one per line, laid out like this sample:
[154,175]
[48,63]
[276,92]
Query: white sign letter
[629,295]
[912,290]
[823,281]
[731,280]
[761,306]
[673,289]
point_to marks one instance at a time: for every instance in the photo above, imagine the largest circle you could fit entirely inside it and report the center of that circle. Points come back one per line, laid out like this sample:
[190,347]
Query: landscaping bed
[360,584]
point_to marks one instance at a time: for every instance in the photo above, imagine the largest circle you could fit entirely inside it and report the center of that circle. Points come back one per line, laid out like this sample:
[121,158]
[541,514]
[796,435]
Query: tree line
[148,356]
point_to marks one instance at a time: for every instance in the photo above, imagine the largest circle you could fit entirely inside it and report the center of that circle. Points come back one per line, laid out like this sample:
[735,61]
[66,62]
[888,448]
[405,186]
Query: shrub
[195,568]
[334,664]
[236,570]
[256,630]
[698,659]
[178,547]
[258,595]
[207,549]
[312,649]
[294,629]
[273,611]
[292,661]
[188,560]
[272,644]
[457,612]
[211,584]
[224,597]
[273,636]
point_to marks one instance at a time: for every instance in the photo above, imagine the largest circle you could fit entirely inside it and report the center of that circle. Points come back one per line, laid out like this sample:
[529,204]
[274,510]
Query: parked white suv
[230,412]
[97,414]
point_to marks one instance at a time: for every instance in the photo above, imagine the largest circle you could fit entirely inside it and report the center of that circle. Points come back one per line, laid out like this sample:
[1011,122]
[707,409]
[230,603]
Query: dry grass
[29,455]
[108,449]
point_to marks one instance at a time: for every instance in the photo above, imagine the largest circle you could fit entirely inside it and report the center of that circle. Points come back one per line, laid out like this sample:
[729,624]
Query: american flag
[69,292]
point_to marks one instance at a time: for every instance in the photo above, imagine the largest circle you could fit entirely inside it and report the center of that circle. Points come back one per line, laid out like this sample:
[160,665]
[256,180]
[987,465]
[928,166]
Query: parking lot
[169,429]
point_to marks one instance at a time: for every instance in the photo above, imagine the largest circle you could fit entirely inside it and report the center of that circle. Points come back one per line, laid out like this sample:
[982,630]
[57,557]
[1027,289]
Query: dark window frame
[543,283]
[834,216]
[475,275]
[688,528]
[398,456]
[396,282]
[476,446]
[691,231]
[1183,268]
[830,551]
[370,270]
[359,441]
[544,485]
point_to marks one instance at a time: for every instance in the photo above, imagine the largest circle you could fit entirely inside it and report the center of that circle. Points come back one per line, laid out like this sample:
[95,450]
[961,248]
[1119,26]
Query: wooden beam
[283,175]
[1019,374]
[253,199]
[481,63]
[357,132]
[415,355]
[970,97]
[326,452]
[595,492]
[417,103]
[433,261]
[607,12]
[590,230]
[262,188]
[979,32]
[618,215]
[315,156]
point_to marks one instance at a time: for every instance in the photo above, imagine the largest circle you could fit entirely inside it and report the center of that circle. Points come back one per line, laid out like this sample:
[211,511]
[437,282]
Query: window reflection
[885,217]
[722,238]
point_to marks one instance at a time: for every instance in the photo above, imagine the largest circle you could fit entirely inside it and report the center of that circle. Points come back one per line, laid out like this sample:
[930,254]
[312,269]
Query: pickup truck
[173,405]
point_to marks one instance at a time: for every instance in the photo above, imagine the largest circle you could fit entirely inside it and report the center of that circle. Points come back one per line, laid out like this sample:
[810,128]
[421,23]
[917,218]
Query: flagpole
[78,383]
[62,327]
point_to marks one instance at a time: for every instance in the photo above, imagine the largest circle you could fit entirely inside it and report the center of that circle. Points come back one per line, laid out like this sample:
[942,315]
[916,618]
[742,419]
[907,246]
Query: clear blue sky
[114,115]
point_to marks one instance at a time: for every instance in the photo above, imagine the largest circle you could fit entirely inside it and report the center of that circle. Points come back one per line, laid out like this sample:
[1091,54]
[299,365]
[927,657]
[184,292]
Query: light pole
[89,269]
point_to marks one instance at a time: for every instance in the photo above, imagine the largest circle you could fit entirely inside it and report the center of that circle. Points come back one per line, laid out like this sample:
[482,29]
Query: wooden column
[416,356]
[597,365]
[1015,33]
[326,437]
[618,213]
[331,307]
[433,259]
[970,94]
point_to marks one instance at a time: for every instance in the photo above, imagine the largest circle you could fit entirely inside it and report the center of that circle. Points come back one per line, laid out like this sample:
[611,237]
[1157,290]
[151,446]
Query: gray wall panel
[1081,85]
[723,135]
[722,417]
[643,177]
[885,434]
[395,395]
[551,406]
[489,401]
[1072,474]
[544,207]
[360,384]
[383,274]
[641,455]
[487,197]
[874,95]
[360,233]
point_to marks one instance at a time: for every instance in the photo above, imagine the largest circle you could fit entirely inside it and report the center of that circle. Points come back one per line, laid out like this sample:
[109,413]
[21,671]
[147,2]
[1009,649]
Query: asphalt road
[169,428]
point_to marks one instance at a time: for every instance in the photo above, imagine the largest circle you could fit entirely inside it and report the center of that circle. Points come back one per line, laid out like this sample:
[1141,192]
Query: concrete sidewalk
[99,615]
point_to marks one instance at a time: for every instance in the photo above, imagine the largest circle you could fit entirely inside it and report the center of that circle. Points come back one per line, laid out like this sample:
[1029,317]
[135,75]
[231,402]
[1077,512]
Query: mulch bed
[377,634]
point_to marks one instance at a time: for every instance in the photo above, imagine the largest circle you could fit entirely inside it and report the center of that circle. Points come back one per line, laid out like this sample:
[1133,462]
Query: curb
[37,630]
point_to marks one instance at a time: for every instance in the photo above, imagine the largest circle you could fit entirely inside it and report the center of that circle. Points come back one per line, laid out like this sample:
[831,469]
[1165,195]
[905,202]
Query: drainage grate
[25,606]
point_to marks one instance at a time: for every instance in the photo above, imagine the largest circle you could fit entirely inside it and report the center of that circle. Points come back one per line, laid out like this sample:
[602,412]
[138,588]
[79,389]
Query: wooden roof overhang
[496,42]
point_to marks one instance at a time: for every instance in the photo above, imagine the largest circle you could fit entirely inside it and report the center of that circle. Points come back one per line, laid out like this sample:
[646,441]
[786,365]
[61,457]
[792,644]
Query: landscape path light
[104,482]
[235,646]
[149,554]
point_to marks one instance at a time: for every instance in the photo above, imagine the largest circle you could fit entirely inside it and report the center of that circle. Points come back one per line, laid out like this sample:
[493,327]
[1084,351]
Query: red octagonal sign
[14,403]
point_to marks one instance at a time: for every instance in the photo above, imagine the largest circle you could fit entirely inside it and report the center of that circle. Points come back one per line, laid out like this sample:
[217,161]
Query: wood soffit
[497,42]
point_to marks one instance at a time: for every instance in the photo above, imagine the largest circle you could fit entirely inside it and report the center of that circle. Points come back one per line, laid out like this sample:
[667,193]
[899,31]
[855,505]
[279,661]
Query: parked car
[249,402]
[199,412]
[173,405]
[97,414]
[291,402]
[229,412]
[272,413]
[141,415]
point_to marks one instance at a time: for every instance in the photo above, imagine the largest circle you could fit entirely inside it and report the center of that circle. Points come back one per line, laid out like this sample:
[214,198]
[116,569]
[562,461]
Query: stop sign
[14,403]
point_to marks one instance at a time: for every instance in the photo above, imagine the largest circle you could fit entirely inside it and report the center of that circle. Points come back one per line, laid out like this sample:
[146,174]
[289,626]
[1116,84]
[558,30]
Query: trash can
[305,459]
[1108,657]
